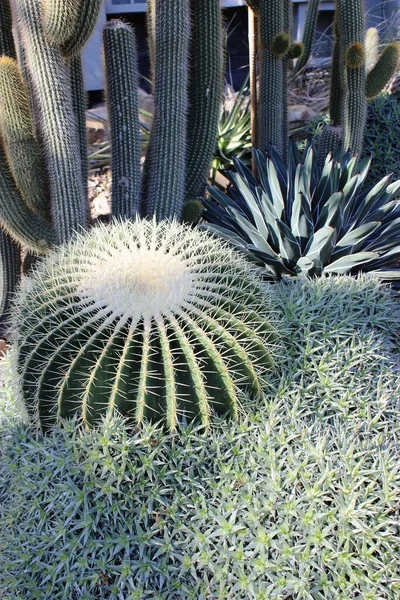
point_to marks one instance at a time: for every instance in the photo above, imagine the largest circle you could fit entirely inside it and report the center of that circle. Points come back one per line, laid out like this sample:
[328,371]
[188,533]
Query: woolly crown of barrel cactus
[155,321]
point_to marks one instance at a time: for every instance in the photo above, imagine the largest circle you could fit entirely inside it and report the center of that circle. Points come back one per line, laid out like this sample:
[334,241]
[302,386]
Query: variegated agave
[304,220]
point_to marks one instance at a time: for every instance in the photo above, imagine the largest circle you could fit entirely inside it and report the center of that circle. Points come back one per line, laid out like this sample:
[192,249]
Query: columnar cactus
[123,110]
[17,131]
[205,86]
[167,147]
[274,45]
[355,53]
[159,322]
[59,132]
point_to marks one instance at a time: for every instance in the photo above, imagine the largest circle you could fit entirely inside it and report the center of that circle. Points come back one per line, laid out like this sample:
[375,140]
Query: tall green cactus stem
[123,108]
[352,26]
[79,106]
[308,35]
[17,131]
[159,322]
[338,81]
[57,121]
[88,12]
[150,28]
[10,276]
[330,141]
[7,46]
[21,223]
[166,188]
[60,19]
[271,102]
[205,92]
[383,71]
[10,265]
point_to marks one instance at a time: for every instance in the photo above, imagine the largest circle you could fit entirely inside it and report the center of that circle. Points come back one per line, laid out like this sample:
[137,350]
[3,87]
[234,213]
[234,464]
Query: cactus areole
[154,321]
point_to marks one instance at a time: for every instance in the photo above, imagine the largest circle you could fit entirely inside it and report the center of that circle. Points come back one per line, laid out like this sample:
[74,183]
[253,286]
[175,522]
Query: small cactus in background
[155,321]
[358,74]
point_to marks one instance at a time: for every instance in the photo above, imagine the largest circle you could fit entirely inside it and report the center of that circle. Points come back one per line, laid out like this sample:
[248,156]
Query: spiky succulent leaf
[306,219]
[155,321]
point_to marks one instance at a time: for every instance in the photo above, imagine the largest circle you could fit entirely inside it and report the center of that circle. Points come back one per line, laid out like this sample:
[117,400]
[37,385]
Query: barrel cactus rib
[120,55]
[58,131]
[136,306]
[24,155]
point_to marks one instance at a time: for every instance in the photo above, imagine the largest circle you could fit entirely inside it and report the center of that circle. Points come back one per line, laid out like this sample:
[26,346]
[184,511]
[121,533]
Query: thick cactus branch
[270,105]
[17,131]
[22,224]
[10,259]
[308,35]
[383,71]
[87,15]
[352,26]
[167,157]
[60,20]
[7,45]
[205,92]
[122,98]
[59,133]
[79,105]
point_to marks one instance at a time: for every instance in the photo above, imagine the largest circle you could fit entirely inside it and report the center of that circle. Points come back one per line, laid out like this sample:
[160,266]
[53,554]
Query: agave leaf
[252,204]
[329,213]
[280,170]
[372,200]
[274,261]
[244,171]
[385,274]
[226,234]
[252,233]
[289,247]
[308,267]
[346,263]
[276,192]
[357,235]
[220,197]
[321,244]
[350,197]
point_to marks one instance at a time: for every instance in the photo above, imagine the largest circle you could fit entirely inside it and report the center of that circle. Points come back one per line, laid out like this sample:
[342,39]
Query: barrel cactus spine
[157,321]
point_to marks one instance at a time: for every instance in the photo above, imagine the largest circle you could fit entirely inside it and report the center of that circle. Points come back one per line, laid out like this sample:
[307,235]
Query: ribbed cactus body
[79,105]
[310,26]
[60,19]
[20,144]
[271,102]
[352,28]
[205,92]
[123,109]
[10,265]
[87,14]
[7,46]
[330,141]
[383,71]
[22,224]
[159,322]
[168,140]
[49,79]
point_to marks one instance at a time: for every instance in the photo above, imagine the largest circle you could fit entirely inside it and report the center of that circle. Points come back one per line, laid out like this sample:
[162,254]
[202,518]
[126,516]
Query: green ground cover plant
[298,499]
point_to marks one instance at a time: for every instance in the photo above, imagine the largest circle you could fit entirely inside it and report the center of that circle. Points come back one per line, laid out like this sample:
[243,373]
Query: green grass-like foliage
[155,321]
[305,220]
[298,500]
